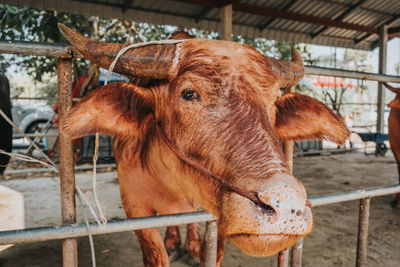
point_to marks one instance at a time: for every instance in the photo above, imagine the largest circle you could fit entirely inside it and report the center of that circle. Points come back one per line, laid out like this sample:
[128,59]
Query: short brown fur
[394,132]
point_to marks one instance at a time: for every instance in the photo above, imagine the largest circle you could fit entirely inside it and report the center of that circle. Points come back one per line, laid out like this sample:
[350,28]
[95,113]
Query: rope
[27,137]
[52,166]
[29,159]
[126,48]
[95,157]
[80,197]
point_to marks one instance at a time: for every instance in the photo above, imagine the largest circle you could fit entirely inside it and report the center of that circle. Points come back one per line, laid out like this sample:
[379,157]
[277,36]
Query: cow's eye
[189,94]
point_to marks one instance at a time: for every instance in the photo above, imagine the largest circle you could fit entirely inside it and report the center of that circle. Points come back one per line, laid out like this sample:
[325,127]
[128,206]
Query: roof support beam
[274,13]
[394,32]
[270,12]
[389,22]
[270,20]
[339,17]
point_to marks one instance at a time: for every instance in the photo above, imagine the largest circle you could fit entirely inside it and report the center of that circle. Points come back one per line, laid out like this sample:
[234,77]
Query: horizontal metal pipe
[77,230]
[58,50]
[37,49]
[71,231]
[17,136]
[312,70]
[77,168]
[42,98]
[349,196]
[324,151]
[355,104]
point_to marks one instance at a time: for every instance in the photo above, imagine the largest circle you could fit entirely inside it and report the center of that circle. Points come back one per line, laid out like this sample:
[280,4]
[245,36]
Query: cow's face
[219,107]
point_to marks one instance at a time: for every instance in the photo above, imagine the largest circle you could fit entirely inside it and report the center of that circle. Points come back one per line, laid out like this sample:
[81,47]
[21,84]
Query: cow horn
[393,89]
[152,60]
[289,72]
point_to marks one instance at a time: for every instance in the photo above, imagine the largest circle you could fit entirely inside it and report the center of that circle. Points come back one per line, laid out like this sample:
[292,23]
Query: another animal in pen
[394,133]
[5,127]
[205,132]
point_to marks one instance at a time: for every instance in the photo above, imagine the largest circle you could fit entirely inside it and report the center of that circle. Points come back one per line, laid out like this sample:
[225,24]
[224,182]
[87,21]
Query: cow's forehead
[238,66]
[217,50]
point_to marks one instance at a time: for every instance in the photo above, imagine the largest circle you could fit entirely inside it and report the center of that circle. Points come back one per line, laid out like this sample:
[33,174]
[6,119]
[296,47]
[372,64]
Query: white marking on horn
[176,59]
[126,48]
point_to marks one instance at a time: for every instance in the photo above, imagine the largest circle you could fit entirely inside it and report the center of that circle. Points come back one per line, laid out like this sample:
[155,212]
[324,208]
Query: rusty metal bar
[362,242]
[211,239]
[77,168]
[283,258]
[67,172]
[37,49]
[311,70]
[40,234]
[58,50]
[51,98]
[77,230]
[18,136]
[349,196]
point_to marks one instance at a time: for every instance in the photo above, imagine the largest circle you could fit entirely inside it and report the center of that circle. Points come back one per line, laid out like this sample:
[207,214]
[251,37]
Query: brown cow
[205,132]
[394,132]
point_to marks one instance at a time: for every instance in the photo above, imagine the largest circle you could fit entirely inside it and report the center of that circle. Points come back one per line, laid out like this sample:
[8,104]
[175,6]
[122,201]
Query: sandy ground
[331,243]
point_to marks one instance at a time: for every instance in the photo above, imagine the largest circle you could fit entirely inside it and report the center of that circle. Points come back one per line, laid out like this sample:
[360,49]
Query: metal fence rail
[60,50]
[78,230]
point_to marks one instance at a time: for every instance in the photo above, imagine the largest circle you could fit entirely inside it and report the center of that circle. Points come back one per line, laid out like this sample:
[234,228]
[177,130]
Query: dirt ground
[331,243]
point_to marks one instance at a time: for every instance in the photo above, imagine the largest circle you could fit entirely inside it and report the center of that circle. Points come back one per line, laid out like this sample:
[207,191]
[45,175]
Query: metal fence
[69,230]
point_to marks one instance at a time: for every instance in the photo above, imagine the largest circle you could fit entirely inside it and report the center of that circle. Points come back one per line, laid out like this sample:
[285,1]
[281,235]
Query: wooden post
[67,171]
[383,37]
[226,23]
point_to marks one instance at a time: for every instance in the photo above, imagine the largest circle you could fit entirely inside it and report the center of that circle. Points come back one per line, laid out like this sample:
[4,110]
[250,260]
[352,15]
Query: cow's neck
[182,178]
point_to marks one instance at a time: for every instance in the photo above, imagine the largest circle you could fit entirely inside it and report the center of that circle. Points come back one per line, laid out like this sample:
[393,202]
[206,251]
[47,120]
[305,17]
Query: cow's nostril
[266,209]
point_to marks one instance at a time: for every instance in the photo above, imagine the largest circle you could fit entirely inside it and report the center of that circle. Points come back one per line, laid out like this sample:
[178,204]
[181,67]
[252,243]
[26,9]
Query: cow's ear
[395,103]
[300,117]
[116,109]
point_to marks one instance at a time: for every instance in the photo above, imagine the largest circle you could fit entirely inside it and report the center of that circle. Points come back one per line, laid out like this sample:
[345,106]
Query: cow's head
[395,104]
[219,103]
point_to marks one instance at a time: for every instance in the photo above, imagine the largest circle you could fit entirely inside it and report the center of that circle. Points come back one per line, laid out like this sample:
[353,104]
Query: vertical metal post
[362,242]
[67,172]
[297,253]
[211,239]
[283,256]
[383,37]
[226,22]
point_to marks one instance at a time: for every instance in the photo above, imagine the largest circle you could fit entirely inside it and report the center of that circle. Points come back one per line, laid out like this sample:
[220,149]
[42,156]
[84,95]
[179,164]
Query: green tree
[26,24]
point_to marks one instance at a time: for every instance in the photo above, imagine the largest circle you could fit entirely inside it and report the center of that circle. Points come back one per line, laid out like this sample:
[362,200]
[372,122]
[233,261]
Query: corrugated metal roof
[370,13]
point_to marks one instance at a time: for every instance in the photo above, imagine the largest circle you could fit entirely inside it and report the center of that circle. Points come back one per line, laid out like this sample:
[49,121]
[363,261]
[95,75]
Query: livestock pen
[69,231]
